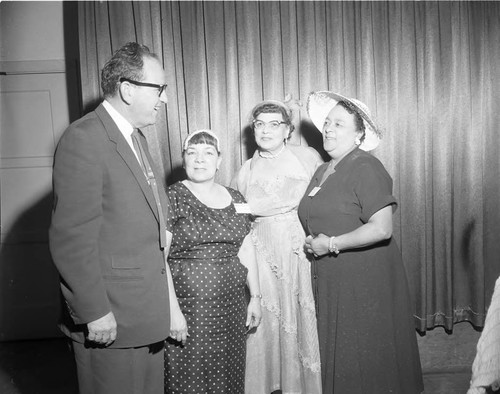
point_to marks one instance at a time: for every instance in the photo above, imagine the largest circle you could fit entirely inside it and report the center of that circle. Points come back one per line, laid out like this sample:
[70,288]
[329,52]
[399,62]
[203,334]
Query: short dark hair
[203,137]
[127,62]
[358,119]
[270,107]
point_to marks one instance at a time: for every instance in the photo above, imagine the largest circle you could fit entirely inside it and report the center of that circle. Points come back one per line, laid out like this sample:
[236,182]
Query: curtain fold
[427,70]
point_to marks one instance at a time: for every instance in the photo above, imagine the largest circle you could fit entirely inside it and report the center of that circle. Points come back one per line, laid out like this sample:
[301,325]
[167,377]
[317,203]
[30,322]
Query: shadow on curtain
[428,70]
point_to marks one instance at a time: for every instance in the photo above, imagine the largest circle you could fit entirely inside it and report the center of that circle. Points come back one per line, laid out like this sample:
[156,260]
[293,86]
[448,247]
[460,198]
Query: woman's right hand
[178,326]
[254,314]
[317,246]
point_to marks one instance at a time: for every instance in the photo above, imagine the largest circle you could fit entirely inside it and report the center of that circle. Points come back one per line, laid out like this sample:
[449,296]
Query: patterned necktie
[148,172]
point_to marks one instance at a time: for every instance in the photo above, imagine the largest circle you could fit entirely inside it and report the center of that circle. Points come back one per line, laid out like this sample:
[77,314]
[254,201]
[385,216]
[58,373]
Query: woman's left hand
[317,246]
[178,326]
[254,313]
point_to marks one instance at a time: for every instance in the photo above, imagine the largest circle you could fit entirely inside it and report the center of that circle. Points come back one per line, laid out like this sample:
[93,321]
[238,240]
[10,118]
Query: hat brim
[193,133]
[319,105]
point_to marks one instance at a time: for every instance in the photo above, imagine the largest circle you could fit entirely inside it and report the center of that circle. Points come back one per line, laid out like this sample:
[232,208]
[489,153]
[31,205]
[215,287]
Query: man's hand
[103,330]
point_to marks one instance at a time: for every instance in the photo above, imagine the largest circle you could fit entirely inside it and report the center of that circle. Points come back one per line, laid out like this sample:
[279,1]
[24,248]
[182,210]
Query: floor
[37,367]
[47,367]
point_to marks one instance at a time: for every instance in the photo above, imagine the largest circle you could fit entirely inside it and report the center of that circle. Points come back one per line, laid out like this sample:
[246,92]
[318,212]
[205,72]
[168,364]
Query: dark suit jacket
[104,235]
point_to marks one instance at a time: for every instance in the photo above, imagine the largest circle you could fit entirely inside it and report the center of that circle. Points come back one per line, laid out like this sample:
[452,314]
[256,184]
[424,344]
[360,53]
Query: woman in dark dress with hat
[366,334]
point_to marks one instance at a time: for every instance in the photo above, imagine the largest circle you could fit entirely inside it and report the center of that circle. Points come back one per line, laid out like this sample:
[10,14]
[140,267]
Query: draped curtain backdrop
[429,71]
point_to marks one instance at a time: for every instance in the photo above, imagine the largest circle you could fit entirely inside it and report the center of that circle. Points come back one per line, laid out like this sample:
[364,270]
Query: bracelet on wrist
[255,295]
[332,247]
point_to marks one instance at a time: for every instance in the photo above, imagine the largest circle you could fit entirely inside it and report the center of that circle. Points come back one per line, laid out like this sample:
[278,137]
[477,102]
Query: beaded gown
[282,354]
[209,281]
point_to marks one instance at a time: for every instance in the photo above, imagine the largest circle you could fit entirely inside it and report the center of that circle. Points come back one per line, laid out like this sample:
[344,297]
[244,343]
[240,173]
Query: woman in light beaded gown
[283,353]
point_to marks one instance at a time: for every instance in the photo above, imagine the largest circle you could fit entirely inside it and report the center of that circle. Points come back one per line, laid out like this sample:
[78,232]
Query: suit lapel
[123,149]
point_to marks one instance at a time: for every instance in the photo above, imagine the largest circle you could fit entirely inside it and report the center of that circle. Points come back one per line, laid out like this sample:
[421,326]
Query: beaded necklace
[269,155]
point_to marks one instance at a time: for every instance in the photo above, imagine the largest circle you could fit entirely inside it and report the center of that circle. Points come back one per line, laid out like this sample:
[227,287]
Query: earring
[357,141]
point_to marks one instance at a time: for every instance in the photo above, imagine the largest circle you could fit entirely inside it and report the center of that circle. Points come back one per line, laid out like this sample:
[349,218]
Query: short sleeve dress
[366,333]
[209,281]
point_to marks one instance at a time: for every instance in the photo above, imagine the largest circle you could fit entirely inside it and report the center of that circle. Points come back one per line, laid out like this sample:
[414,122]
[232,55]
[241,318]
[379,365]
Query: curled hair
[201,137]
[273,107]
[128,62]
[358,120]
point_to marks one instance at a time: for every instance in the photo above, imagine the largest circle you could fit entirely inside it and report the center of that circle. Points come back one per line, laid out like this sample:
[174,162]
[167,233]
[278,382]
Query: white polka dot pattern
[210,284]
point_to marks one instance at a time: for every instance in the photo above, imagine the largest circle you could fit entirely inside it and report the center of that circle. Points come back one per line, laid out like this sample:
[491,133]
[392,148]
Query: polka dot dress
[209,282]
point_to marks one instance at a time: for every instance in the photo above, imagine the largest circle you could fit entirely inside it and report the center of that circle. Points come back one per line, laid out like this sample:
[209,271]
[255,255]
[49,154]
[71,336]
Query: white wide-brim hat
[320,103]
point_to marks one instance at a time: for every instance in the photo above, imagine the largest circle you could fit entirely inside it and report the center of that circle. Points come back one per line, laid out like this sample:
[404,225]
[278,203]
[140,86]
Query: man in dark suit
[107,236]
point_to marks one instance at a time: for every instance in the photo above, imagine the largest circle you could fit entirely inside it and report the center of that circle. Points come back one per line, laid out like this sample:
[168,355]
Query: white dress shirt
[123,125]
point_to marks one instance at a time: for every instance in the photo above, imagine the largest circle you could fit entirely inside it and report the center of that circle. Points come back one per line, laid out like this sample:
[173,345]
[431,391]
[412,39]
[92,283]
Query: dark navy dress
[367,338]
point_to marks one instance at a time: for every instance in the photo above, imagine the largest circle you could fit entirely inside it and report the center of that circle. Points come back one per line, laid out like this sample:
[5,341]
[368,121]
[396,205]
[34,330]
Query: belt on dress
[277,218]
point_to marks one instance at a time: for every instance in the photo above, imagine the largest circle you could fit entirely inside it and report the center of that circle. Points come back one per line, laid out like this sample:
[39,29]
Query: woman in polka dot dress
[211,257]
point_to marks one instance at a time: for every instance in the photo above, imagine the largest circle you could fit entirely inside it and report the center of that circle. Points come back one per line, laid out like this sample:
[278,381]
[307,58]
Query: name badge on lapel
[314,191]
[242,208]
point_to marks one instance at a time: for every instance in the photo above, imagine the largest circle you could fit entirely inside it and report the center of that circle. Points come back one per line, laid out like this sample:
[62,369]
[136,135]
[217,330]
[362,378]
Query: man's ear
[126,92]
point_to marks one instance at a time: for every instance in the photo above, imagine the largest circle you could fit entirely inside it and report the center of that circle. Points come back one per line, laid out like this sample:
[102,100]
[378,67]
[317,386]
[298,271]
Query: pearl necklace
[269,155]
